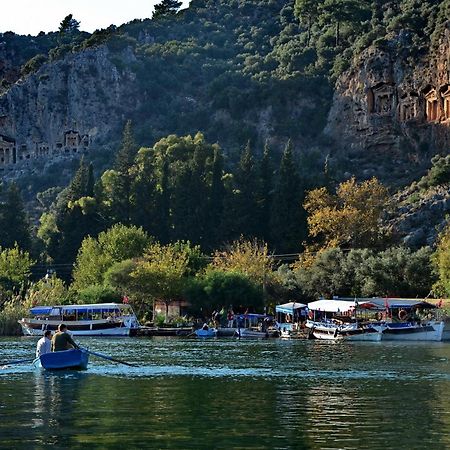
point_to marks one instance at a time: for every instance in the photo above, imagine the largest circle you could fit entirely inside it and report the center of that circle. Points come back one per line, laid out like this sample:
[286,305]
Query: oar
[100,355]
[19,361]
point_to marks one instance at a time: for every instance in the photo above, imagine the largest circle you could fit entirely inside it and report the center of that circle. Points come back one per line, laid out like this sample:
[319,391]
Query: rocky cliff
[392,107]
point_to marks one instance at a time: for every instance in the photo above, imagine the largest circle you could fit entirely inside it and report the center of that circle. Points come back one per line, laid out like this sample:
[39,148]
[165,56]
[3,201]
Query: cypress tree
[122,192]
[265,193]
[14,224]
[245,211]
[163,204]
[287,218]
[216,201]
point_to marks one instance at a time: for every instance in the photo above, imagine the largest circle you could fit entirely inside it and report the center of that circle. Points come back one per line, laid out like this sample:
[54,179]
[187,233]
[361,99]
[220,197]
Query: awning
[40,310]
[402,303]
[289,308]
[332,305]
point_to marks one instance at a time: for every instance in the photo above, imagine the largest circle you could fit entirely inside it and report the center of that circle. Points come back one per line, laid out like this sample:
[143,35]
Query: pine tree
[288,225]
[166,8]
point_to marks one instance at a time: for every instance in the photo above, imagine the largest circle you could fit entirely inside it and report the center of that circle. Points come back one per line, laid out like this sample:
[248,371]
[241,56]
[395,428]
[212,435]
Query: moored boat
[290,318]
[338,320]
[206,333]
[73,359]
[102,319]
[409,320]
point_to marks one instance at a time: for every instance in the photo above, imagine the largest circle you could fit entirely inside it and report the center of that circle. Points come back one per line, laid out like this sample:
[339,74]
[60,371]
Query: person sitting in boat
[205,327]
[62,340]
[44,344]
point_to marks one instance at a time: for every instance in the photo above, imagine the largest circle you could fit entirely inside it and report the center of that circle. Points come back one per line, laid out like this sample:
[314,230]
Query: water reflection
[228,394]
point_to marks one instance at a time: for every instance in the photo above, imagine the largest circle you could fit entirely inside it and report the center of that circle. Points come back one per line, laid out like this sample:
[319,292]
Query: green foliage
[96,256]
[166,8]
[68,25]
[216,289]
[98,294]
[438,174]
[395,272]
[14,224]
[441,261]
[33,65]
[15,269]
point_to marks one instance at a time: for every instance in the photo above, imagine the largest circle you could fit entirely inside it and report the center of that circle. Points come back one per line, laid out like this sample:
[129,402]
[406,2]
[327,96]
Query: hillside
[363,85]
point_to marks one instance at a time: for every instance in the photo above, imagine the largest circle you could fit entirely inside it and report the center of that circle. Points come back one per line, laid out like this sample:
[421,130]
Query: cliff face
[66,107]
[390,103]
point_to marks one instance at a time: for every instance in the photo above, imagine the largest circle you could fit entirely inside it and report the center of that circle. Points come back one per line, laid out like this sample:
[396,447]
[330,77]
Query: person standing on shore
[62,340]
[44,344]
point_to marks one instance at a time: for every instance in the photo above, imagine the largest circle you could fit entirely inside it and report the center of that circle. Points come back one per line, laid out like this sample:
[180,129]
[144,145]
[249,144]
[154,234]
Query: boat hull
[347,333]
[211,332]
[431,331]
[248,333]
[35,327]
[65,360]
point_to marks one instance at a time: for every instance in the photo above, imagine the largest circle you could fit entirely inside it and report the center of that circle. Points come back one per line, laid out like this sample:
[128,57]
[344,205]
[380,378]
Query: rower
[62,340]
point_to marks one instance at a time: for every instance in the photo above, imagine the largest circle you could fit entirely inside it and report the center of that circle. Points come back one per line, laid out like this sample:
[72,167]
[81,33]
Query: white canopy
[332,305]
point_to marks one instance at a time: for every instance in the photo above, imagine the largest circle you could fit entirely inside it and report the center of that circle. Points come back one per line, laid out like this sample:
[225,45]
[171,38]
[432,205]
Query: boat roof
[254,316]
[376,303]
[402,303]
[289,308]
[342,305]
[79,308]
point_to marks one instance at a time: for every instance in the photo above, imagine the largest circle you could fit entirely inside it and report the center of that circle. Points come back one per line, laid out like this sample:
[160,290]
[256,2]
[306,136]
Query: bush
[33,65]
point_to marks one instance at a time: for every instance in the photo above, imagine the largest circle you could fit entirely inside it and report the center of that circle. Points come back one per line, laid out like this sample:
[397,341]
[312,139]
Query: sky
[33,16]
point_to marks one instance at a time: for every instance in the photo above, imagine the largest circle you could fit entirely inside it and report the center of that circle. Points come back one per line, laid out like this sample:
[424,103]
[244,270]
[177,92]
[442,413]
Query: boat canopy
[289,308]
[69,309]
[254,316]
[402,303]
[41,310]
[342,306]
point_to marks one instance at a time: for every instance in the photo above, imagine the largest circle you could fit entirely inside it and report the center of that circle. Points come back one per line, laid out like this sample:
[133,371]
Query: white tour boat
[102,319]
[336,320]
[408,320]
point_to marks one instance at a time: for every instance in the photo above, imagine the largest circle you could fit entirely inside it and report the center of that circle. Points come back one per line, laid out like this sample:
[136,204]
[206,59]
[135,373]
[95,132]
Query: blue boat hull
[68,359]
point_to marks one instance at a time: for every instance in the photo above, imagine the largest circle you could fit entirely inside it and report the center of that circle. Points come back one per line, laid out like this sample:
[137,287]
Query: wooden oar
[19,361]
[100,355]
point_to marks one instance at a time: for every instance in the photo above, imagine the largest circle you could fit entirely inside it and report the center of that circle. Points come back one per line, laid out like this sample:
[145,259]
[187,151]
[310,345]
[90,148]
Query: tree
[166,8]
[441,261]
[242,218]
[287,216]
[351,217]
[307,11]
[15,269]
[96,256]
[14,225]
[250,258]
[68,25]
[216,289]
[121,200]
[161,274]
[265,194]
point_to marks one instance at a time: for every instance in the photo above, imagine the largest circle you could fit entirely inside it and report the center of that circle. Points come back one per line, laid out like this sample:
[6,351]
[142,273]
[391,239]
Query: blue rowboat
[210,332]
[64,360]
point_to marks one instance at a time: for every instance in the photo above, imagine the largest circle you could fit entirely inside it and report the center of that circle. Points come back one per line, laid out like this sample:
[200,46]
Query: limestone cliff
[66,107]
[389,103]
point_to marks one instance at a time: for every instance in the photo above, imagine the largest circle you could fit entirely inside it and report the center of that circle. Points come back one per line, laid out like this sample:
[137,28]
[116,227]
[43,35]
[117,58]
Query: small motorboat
[73,359]
[206,333]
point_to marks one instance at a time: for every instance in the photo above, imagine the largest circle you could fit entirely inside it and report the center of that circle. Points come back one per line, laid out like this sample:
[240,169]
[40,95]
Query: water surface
[230,394]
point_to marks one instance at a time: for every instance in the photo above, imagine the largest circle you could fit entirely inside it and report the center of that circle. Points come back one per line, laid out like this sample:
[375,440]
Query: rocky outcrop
[68,106]
[419,215]
[388,103]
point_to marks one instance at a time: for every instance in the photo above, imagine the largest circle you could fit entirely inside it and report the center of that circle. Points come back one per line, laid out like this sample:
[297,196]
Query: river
[230,394]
